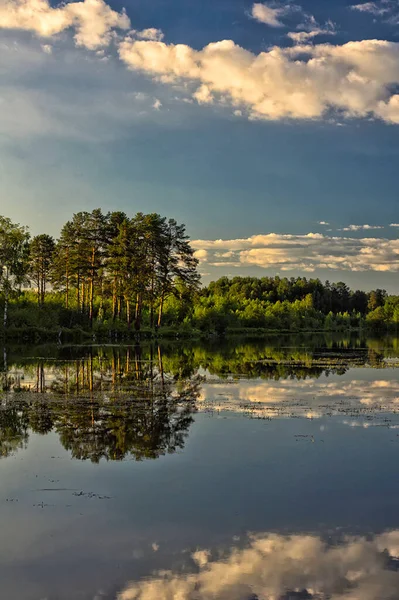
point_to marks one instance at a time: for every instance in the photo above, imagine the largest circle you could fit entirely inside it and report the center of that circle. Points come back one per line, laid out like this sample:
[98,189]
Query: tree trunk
[101,318]
[83,297]
[43,290]
[78,290]
[128,318]
[5,315]
[67,280]
[137,320]
[38,283]
[114,301]
[91,291]
[161,309]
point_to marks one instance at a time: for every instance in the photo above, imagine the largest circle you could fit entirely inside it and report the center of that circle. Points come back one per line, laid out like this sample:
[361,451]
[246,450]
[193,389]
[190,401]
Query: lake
[236,470]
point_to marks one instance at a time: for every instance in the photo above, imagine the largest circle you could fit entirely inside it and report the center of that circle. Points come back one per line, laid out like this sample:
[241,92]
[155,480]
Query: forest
[111,276]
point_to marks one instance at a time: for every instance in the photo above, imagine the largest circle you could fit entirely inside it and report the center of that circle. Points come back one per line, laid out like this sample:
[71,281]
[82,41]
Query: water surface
[245,469]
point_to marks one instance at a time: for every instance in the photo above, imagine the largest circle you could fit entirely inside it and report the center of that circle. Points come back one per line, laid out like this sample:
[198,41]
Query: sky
[270,129]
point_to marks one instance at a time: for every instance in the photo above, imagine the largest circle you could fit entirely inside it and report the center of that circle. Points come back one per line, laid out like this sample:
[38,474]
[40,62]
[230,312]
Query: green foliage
[104,272]
[41,254]
[114,276]
[296,304]
[14,253]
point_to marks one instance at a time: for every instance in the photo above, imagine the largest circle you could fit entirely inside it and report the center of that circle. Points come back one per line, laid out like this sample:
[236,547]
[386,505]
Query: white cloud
[394,225]
[201,255]
[311,29]
[302,82]
[269,13]
[323,223]
[201,557]
[157,104]
[304,252]
[271,565]
[203,95]
[92,20]
[301,37]
[372,7]
[155,35]
[306,81]
[360,227]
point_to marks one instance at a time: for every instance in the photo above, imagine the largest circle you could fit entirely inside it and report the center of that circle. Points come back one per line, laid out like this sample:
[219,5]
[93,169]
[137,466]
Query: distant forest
[111,275]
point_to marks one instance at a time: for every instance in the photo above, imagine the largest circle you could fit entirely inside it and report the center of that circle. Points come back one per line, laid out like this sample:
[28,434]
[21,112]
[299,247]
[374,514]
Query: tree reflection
[146,423]
[14,425]
[85,370]
[113,402]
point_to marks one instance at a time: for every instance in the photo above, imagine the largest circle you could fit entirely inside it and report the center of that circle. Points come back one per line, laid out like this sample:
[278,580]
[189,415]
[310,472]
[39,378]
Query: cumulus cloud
[306,81]
[323,223]
[92,20]
[201,255]
[394,225]
[155,35]
[276,566]
[356,79]
[304,252]
[269,13]
[360,227]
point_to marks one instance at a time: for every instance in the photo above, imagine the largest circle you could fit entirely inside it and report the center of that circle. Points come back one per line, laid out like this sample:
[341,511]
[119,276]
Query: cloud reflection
[276,567]
[305,398]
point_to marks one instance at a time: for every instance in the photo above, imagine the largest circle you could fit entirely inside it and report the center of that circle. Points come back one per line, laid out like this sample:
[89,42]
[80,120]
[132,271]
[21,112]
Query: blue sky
[289,126]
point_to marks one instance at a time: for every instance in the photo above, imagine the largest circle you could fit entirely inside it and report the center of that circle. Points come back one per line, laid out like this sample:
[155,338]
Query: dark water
[259,469]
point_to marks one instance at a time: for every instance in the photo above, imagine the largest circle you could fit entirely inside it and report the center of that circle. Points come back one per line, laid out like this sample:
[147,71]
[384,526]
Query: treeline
[115,275]
[293,304]
[104,268]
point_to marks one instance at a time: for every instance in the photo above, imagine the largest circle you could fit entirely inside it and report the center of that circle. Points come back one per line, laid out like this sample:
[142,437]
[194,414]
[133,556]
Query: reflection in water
[276,567]
[309,398]
[13,429]
[79,369]
[114,402]
[320,474]
[109,404]
[148,423]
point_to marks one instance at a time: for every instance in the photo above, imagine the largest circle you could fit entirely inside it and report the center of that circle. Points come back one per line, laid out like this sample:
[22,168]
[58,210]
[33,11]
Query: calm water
[260,469]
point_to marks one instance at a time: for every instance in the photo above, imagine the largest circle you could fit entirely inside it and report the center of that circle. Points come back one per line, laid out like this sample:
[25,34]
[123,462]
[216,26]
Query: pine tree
[177,262]
[41,258]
